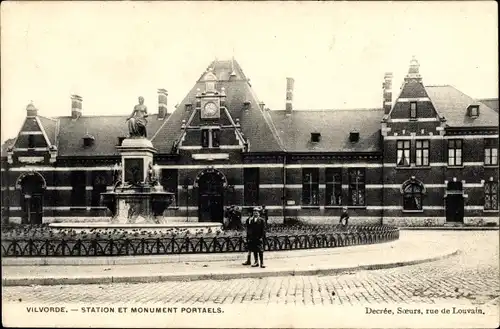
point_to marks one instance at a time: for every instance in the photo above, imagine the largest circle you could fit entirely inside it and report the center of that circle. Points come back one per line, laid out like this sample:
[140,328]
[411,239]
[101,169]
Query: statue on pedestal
[137,121]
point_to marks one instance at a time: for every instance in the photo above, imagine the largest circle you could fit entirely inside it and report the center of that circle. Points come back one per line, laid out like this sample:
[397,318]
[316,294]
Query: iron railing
[274,241]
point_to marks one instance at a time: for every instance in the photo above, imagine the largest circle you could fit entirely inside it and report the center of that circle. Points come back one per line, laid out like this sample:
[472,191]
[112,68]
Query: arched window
[413,192]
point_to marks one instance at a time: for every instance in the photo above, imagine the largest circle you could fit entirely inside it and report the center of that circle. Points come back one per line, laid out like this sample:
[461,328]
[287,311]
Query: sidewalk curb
[442,228]
[193,276]
[178,258]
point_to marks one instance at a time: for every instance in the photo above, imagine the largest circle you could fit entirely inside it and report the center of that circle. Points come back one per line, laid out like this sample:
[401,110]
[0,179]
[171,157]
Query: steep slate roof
[238,90]
[49,125]
[105,130]
[268,131]
[333,125]
[452,104]
[492,103]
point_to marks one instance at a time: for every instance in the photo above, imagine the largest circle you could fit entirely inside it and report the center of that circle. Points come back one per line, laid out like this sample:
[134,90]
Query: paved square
[472,276]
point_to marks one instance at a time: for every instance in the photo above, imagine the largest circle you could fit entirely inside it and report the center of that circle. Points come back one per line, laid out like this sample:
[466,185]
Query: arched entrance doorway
[454,202]
[32,186]
[211,185]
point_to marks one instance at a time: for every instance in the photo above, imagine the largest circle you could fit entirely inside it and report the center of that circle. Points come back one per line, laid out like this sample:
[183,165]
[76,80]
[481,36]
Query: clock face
[210,109]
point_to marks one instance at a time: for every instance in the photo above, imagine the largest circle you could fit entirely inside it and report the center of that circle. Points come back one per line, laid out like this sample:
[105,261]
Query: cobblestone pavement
[472,277]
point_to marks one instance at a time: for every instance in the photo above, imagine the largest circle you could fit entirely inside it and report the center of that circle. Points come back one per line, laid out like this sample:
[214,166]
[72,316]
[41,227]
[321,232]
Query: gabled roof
[238,90]
[105,130]
[452,104]
[492,103]
[334,126]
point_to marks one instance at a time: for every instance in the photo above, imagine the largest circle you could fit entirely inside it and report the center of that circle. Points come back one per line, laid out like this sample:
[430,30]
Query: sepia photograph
[241,164]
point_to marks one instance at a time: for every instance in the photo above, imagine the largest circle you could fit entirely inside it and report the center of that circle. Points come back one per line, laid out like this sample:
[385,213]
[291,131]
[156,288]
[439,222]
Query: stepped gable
[452,104]
[238,90]
[335,127]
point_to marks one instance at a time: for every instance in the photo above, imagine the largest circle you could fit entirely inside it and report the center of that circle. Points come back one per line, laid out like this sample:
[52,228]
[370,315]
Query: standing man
[344,218]
[255,238]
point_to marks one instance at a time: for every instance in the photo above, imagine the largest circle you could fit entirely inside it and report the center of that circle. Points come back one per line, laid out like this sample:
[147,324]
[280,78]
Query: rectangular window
[413,110]
[403,153]
[205,138]
[490,196]
[474,111]
[490,152]
[356,187]
[170,182]
[422,153]
[210,137]
[99,185]
[78,184]
[310,186]
[333,178]
[31,141]
[454,152]
[215,138]
[251,187]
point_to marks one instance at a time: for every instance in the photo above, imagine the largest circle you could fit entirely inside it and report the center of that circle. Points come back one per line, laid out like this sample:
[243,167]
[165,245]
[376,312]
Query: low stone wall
[481,221]
[414,221]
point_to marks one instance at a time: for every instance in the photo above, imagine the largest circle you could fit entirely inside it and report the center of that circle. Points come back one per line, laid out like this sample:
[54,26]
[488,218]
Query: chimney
[31,110]
[76,106]
[387,94]
[289,96]
[162,104]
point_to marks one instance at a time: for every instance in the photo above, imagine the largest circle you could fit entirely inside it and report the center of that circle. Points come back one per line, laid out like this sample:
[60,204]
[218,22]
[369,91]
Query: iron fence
[59,247]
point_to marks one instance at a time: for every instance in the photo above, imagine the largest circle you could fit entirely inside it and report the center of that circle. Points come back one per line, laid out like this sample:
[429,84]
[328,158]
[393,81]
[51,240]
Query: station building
[429,157]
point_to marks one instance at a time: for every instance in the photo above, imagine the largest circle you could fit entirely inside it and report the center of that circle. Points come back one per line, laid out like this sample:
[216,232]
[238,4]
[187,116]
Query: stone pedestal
[137,198]
[137,155]
[135,206]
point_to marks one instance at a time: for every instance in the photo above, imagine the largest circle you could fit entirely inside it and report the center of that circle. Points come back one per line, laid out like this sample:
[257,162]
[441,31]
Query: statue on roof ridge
[137,121]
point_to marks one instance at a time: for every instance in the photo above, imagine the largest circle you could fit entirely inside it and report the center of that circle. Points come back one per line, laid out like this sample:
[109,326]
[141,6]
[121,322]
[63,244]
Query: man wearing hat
[344,218]
[255,238]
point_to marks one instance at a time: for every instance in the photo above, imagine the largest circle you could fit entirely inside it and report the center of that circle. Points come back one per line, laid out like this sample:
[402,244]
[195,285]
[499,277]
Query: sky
[112,52]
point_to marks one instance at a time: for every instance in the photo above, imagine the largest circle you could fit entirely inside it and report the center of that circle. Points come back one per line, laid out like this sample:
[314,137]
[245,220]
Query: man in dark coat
[255,238]
[344,218]
[265,215]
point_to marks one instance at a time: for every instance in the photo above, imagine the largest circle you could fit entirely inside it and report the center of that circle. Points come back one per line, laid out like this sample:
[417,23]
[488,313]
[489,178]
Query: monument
[137,192]
[137,199]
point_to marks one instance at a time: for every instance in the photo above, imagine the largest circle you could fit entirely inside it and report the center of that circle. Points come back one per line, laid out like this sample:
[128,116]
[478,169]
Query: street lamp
[186,187]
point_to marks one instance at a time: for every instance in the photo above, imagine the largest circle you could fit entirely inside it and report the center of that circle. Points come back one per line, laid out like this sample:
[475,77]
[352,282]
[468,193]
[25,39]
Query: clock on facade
[210,111]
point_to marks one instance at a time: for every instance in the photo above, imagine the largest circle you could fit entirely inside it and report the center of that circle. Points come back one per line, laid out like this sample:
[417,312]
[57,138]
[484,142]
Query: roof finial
[232,65]
[414,70]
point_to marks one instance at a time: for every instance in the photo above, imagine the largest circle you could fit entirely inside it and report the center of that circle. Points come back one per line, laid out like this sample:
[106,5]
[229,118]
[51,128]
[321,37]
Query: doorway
[454,202]
[32,188]
[210,198]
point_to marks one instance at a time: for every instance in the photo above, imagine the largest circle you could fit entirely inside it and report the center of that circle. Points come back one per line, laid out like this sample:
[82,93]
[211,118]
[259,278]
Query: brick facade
[394,187]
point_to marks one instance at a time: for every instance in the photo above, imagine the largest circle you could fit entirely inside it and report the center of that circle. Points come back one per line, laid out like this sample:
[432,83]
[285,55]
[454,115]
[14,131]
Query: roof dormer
[315,137]
[354,136]
[473,111]
[88,140]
